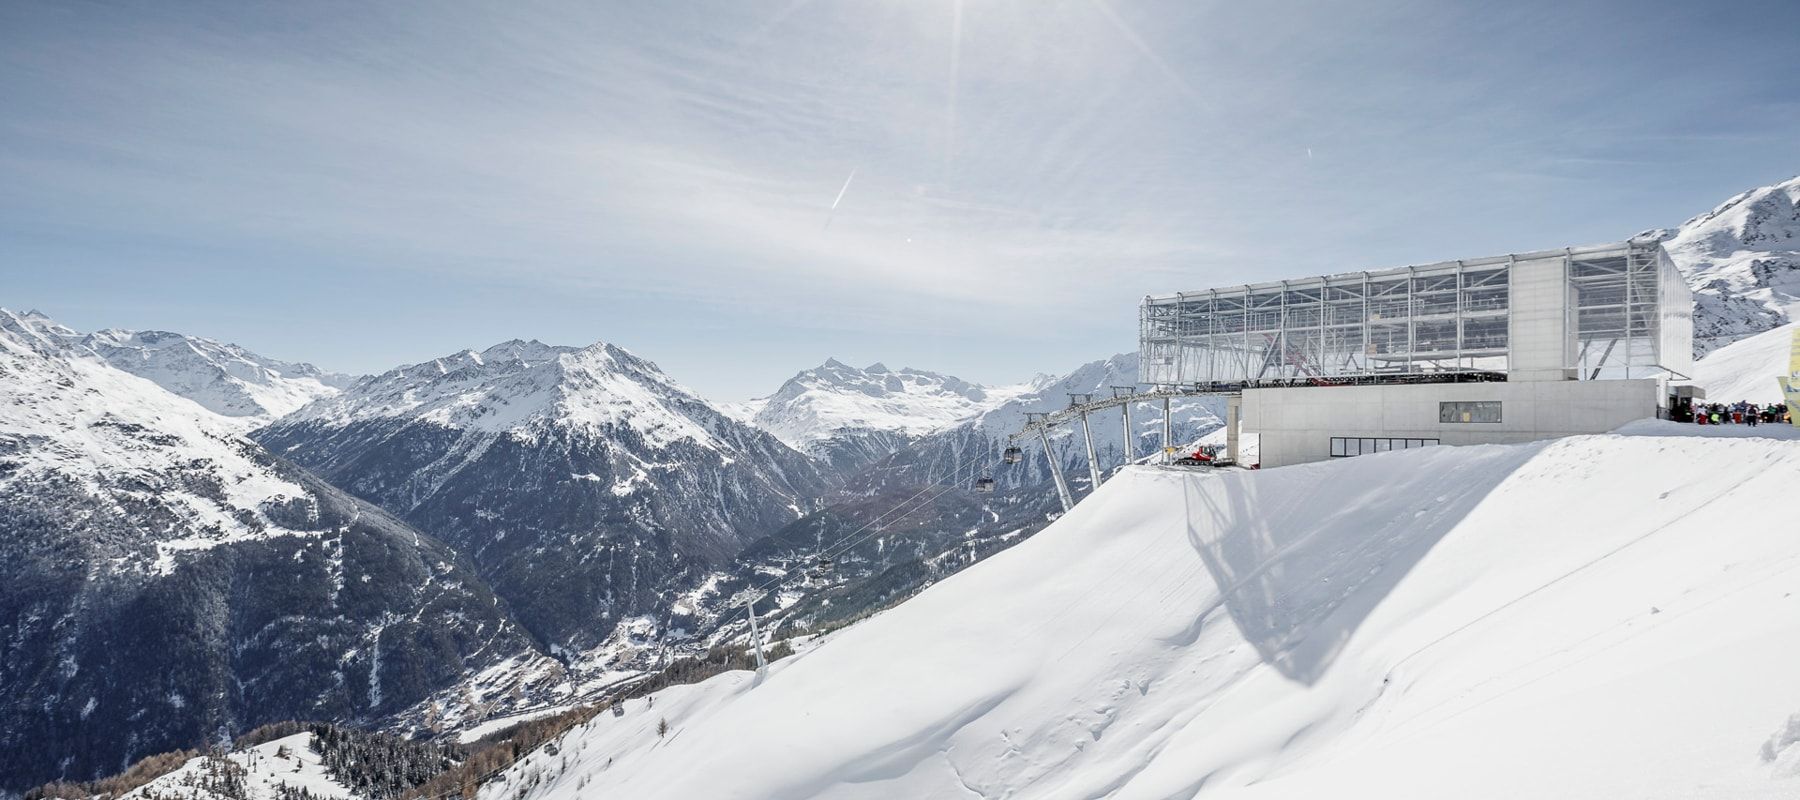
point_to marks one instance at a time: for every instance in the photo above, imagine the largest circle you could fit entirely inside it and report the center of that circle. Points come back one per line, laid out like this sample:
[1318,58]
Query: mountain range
[583,483]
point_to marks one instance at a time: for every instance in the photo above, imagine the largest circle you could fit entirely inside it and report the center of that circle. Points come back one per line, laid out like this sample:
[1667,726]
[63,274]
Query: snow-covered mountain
[849,416]
[165,581]
[1742,260]
[1600,616]
[581,481]
[223,378]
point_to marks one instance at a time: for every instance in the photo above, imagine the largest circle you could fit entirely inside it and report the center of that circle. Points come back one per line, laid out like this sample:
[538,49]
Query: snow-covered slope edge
[1600,616]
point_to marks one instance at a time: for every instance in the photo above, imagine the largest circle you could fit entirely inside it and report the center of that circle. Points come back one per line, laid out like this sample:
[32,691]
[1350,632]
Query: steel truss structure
[1628,308]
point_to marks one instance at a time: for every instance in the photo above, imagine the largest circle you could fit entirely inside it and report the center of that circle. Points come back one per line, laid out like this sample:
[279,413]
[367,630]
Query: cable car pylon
[1122,394]
[1087,437]
[762,665]
[1055,471]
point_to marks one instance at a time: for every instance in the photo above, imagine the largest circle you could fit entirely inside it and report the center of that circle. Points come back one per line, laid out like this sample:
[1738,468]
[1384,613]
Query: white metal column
[1093,460]
[1234,407]
[1062,486]
[756,637]
[1128,444]
[1168,431]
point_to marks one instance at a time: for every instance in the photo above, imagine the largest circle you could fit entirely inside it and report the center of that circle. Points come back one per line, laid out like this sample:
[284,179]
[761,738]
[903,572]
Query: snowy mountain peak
[41,322]
[222,378]
[835,400]
[517,386]
[525,352]
[1742,260]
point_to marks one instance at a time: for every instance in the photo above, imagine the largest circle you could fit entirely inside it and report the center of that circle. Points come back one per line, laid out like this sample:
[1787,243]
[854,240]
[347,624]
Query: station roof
[1441,266]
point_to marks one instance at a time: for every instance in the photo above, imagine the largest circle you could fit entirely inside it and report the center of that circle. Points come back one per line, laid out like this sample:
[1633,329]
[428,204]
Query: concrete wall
[1296,425]
[1541,330]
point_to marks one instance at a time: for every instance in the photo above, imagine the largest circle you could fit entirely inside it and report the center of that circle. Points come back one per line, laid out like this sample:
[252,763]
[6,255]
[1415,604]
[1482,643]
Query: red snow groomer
[1206,456]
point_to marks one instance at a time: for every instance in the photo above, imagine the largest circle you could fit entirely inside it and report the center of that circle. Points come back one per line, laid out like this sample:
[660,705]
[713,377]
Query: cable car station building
[1512,348]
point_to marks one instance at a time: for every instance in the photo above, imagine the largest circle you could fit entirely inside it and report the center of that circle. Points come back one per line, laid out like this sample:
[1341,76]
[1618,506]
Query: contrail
[1149,53]
[840,199]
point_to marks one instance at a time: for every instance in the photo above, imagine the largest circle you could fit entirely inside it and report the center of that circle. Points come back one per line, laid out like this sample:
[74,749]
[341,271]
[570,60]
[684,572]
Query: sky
[738,190]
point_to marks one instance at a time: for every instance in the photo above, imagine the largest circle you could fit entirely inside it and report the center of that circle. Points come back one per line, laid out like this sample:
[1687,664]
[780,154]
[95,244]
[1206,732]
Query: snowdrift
[1600,616]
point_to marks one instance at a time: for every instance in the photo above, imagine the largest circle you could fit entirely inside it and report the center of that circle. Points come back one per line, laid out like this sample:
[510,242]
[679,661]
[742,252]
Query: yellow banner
[1790,385]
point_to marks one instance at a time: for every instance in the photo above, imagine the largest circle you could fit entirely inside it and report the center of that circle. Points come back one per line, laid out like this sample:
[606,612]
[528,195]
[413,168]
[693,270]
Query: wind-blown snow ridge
[1599,616]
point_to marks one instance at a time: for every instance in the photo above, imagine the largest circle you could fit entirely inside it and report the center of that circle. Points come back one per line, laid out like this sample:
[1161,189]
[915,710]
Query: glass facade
[1627,314]
[1633,315]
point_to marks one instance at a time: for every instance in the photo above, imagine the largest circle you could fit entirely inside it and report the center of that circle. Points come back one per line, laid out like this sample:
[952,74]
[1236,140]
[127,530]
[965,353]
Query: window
[1345,446]
[1469,411]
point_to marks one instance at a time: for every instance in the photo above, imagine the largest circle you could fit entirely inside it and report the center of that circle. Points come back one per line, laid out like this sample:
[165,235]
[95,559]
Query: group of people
[1740,413]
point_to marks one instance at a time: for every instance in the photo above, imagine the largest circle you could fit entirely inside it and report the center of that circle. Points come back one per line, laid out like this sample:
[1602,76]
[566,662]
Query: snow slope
[1747,369]
[291,762]
[1742,260]
[1599,616]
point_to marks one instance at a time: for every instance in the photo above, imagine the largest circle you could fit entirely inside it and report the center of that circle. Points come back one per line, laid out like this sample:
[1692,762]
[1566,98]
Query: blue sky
[368,184]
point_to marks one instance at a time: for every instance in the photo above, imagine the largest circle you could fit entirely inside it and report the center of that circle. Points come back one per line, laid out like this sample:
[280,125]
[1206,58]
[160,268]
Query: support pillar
[1234,411]
[1093,460]
[1062,486]
[1129,444]
[1168,431]
[756,637]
